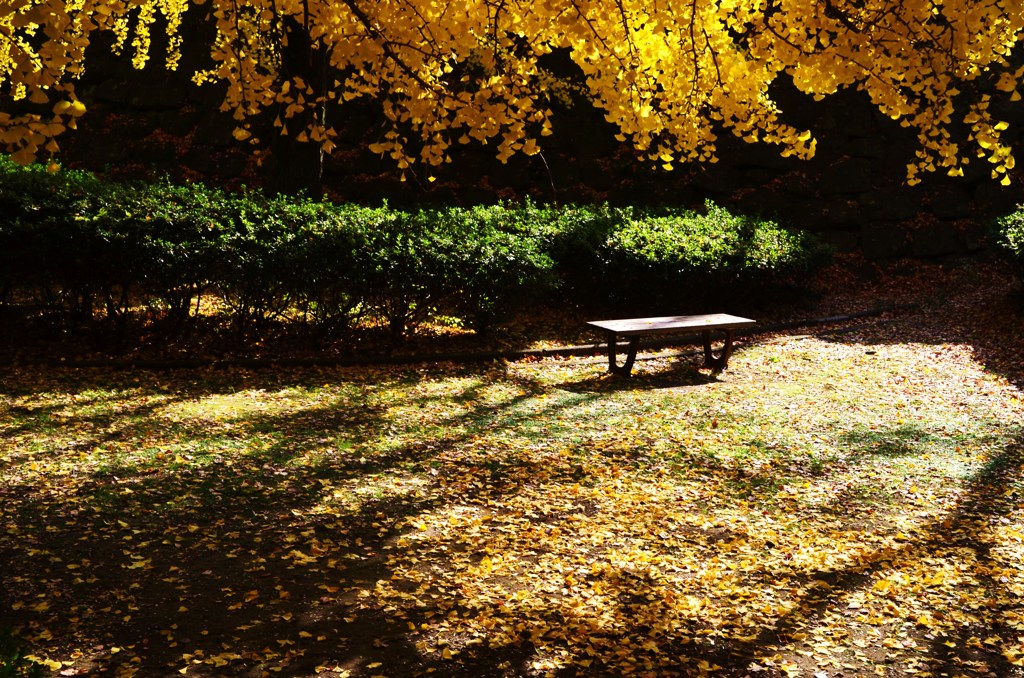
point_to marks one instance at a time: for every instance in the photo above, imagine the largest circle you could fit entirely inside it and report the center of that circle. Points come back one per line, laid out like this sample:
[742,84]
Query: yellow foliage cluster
[668,75]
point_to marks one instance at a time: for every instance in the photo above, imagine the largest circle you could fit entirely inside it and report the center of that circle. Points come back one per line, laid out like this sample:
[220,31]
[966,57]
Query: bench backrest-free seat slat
[673,323]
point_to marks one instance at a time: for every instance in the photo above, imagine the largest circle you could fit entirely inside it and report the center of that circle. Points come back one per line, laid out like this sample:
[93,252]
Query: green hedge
[1011,239]
[90,250]
[697,260]
[646,261]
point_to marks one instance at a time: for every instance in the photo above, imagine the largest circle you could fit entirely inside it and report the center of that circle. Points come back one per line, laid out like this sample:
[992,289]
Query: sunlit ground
[842,501]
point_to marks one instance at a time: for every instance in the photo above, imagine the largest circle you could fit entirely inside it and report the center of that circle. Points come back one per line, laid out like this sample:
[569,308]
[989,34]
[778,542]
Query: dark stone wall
[151,123]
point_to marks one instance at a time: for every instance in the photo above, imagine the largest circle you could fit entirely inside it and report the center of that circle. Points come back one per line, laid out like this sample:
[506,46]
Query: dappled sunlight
[636,574]
[238,406]
[821,505]
[352,496]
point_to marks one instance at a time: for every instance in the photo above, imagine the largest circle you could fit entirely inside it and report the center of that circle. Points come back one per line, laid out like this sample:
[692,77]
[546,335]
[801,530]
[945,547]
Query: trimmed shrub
[1011,239]
[75,252]
[88,248]
[329,286]
[497,261]
[401,270]
[638,261]
[478,263]
[257,250]
[179,230]
[575,238]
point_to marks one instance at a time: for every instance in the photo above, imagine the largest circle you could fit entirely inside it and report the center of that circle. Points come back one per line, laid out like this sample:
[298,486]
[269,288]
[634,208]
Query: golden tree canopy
[669,74]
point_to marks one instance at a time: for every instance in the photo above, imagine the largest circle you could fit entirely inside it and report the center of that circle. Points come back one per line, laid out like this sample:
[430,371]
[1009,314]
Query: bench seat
[634,328]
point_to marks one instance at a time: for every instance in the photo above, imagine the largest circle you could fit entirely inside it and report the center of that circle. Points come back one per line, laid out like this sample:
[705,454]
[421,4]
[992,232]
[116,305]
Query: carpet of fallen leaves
[846,499]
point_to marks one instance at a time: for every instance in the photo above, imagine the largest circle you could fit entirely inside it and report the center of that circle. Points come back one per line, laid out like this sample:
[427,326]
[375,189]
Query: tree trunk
[297,166]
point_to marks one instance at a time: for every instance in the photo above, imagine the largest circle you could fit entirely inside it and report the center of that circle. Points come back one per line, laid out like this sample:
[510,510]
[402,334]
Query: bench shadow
[681,372]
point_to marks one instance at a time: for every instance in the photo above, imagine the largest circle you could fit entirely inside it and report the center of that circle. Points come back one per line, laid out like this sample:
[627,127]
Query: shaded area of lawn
[847,500]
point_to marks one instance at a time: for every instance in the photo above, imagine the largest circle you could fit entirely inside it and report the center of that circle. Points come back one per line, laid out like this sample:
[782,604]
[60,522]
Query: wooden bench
[634,328]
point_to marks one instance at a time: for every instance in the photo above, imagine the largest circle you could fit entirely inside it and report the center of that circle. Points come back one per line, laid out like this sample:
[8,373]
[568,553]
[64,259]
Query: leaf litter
[844,500]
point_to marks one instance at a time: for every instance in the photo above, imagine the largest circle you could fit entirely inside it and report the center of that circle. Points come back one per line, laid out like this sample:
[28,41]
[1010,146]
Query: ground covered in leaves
[846,499]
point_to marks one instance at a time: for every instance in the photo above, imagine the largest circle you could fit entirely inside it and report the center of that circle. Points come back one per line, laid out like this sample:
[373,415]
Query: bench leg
[627,366]
[721,361]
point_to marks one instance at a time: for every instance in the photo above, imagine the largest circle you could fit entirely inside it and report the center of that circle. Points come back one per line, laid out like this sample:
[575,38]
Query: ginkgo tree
[670,75]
